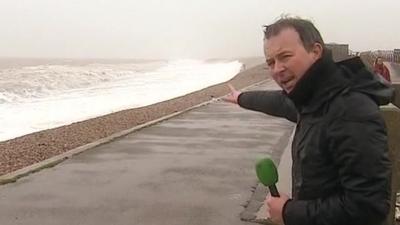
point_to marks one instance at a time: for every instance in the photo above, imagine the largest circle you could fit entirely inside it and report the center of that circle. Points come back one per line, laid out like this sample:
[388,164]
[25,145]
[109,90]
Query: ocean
[39,94]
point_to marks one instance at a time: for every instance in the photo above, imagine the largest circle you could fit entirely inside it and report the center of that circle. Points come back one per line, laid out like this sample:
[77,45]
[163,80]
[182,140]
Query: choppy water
[38,97]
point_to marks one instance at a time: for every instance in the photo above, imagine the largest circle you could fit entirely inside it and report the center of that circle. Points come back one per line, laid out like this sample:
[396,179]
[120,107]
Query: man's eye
[270,62]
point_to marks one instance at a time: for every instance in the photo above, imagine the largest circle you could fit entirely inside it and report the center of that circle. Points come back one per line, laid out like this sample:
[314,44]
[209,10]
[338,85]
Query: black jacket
[341,170]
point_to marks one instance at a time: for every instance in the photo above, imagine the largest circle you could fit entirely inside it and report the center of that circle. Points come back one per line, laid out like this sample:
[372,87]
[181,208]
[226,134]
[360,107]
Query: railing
[386,55]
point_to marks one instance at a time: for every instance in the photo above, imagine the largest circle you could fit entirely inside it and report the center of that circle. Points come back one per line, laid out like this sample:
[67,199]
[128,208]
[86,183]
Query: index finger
[231,87]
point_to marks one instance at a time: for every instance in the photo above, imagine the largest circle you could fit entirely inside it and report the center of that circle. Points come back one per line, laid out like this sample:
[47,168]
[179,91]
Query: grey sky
[182,28]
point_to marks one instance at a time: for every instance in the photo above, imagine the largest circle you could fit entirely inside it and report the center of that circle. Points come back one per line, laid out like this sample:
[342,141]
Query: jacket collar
[320,83]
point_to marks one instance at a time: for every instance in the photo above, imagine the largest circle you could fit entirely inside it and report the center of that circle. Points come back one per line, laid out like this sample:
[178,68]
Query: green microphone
[268,175]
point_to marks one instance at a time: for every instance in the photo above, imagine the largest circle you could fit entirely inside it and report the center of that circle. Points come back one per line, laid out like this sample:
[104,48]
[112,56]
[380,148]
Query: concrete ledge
[391,114]
[396,100]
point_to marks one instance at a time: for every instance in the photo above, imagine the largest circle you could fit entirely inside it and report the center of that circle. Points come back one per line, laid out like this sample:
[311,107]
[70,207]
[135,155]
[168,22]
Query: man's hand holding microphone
[268,175]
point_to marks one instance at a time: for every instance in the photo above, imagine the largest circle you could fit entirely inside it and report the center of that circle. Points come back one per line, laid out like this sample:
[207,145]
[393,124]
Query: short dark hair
[309,34]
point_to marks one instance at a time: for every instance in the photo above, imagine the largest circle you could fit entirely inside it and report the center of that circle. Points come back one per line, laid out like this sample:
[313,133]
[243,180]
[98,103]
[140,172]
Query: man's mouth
[287,83]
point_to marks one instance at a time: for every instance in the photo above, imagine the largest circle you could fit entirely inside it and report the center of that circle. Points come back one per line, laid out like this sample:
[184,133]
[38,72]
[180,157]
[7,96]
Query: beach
[36,147]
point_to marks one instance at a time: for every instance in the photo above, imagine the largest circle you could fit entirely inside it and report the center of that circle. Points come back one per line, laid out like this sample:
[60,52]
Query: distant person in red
[381,69]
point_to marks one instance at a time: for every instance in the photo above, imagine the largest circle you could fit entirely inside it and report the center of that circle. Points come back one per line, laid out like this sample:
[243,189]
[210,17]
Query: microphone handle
[274,191]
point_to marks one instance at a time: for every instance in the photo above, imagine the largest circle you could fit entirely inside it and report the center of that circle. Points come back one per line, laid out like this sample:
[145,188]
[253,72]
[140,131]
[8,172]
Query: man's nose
[278,68]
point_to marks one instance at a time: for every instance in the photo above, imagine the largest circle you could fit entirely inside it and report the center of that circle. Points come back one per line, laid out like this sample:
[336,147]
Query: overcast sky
[182,28]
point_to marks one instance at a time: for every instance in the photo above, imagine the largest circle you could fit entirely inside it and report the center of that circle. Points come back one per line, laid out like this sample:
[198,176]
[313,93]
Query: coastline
[26,150]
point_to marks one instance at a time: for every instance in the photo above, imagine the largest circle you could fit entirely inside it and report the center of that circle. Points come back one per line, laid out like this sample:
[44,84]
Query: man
[341,171]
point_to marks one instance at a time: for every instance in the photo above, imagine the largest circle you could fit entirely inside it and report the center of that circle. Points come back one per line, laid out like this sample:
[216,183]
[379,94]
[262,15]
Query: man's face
[288,59]
[379,61]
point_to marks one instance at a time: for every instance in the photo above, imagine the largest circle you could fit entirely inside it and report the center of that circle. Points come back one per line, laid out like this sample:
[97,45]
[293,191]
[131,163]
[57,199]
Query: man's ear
[317,50]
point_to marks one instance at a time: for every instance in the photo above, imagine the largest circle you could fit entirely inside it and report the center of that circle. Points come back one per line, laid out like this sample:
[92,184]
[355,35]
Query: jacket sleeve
[274,103]
[358,148]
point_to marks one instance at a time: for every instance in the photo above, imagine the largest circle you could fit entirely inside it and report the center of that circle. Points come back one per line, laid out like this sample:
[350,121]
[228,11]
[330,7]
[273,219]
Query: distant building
[339,51]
